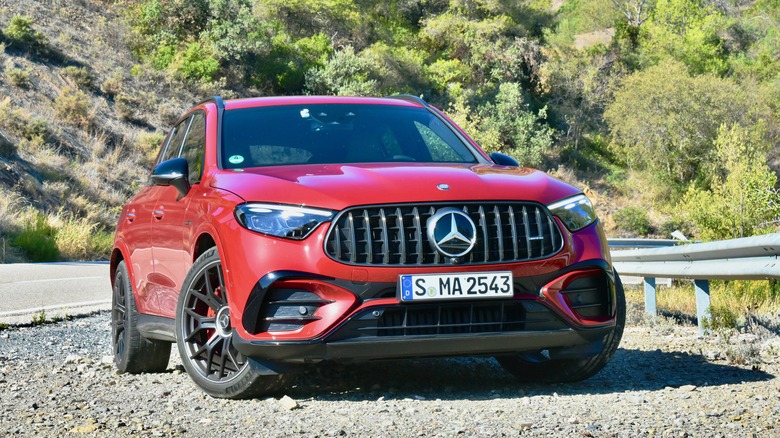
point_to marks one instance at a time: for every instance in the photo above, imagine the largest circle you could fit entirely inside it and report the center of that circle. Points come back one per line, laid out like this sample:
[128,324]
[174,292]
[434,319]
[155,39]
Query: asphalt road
[59,289]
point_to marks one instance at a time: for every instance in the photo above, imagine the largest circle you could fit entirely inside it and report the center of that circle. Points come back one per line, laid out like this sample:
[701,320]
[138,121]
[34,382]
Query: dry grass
[67,157]
[79,238]
[738,298]
[10,205]
[73,107]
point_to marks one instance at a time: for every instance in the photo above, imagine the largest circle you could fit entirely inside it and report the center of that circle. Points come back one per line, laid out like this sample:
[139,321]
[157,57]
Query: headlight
[281,220]
[575,212]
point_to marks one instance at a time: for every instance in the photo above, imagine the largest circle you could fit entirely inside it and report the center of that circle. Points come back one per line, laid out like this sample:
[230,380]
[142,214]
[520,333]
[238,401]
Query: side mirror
[503,159]
[174,172]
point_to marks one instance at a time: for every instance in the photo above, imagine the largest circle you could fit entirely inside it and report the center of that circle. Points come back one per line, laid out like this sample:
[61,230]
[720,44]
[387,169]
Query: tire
[535,367]
[204,336]
[133,353]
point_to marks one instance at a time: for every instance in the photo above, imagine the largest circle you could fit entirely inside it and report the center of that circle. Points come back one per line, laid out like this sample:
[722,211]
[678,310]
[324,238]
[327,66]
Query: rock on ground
[57,380]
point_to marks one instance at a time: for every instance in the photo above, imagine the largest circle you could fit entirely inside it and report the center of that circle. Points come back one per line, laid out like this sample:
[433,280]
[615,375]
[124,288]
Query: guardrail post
[702,303]
[650,297]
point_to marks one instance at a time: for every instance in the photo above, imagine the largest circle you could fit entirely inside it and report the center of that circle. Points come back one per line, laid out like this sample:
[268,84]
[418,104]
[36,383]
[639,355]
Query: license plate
[473,285]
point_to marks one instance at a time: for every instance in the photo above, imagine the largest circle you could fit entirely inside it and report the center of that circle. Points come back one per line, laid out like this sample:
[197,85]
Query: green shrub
[196,63]
[80,239]
[113,85]
[72,106]
[126,106]
[667,228]
[33,129]
[345,74]
[149,144]
[100,244]
[38,241]
[18,77]
[21,34]
[79,75]
[39,318]
[633,219]
[721,318]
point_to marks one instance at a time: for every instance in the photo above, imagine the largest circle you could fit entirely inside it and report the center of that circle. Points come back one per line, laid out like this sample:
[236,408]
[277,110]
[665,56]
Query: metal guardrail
[642,243]
[750,258]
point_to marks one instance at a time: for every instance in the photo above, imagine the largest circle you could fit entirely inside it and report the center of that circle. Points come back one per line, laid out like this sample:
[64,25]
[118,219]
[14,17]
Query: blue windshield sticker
[236,159]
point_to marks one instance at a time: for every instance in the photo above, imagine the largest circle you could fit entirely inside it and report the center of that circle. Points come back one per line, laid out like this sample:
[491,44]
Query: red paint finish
[160,243]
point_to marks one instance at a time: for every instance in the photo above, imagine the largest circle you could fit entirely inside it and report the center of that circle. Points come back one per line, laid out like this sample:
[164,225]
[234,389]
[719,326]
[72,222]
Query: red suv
[281,231]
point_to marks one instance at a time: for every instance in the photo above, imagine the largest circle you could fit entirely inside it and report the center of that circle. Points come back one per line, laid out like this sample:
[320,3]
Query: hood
[339,186]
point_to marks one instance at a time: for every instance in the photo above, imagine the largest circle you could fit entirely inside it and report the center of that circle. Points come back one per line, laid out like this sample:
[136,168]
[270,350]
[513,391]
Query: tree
[507,124]
[743,200]
[688,31]
[345,74]
[634,11]
[664,120]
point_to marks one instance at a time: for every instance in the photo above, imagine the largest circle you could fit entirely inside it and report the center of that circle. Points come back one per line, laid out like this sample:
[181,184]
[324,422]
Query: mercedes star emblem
[452,232]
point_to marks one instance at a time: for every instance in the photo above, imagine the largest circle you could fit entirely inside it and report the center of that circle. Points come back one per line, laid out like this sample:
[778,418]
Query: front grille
[451,318]
[397,235]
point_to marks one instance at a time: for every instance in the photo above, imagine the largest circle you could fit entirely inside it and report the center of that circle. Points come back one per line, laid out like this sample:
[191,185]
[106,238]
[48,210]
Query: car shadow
[483,378]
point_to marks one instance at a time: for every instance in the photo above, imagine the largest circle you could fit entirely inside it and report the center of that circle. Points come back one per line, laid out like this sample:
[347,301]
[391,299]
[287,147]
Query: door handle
[158,214]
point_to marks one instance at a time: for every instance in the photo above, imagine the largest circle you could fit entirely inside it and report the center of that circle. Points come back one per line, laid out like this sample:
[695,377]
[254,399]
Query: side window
[194,146]
[176,140]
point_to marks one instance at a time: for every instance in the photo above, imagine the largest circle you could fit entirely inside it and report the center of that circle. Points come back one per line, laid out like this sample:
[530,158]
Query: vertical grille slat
[418,235]
[397,235]
[401,235]
[337,241]
[551,224]
[352,243]
[499,232]
[527,234]
[484,227]
[436,256]
[385,237]
[369,243]
[515,243]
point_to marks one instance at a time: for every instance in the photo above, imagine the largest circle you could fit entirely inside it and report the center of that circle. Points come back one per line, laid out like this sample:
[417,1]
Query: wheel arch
[118,254]
[203,243]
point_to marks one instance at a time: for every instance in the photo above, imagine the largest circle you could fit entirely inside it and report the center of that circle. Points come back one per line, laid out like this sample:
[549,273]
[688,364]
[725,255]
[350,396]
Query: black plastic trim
[251,319]
[157,328]
[220,103]
[418,346]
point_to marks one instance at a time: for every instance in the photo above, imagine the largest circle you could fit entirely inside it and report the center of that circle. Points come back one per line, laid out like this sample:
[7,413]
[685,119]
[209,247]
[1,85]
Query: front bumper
[299,317]
[397,347]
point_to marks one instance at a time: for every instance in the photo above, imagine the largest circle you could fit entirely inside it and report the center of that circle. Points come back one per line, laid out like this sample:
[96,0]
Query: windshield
[337,133]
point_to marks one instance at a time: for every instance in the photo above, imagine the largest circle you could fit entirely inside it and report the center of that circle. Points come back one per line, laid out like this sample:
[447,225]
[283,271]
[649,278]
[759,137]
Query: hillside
[77,129]
[663,118]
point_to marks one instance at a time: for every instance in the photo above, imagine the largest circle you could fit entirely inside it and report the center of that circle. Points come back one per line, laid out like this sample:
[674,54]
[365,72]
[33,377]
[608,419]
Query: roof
[313,100]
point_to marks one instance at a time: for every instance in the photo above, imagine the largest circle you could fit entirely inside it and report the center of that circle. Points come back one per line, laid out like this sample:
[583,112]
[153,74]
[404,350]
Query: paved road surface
[58,289]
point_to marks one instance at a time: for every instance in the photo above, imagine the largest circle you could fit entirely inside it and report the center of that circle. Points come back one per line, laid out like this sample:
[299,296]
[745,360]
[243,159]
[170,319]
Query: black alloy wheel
[538,367]
[133,353]
[205,336]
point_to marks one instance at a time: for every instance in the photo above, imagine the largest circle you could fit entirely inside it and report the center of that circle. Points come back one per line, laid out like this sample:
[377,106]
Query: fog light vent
[287,310]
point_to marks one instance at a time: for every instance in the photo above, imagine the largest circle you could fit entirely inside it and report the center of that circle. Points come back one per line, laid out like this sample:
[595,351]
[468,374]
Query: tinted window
[176,140]
[337,133]
[194,145]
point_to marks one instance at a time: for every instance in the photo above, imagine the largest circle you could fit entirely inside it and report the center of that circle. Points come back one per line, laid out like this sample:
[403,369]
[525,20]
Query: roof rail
[216,99]
[410,98]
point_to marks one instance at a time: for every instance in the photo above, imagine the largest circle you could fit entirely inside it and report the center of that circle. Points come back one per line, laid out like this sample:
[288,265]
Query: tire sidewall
[121,280]
[231,388]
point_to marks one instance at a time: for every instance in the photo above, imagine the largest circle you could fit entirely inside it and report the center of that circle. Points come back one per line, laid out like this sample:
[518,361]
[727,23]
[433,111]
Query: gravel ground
[58,379]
